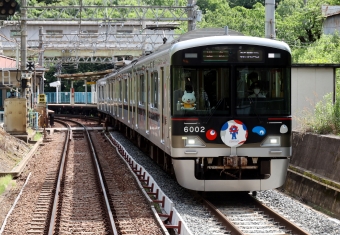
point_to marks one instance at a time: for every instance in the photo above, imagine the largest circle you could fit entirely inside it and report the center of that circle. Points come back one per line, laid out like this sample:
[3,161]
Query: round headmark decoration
[234,133]
[211,134]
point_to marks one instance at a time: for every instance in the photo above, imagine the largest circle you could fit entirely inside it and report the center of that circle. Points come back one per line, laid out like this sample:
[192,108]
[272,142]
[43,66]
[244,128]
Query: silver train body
[195,108]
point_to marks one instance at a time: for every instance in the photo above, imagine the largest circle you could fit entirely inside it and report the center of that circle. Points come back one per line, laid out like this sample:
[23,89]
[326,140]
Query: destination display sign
[250,55]
[215,55]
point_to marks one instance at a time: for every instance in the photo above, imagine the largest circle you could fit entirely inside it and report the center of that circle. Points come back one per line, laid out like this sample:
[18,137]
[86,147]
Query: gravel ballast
[309,219]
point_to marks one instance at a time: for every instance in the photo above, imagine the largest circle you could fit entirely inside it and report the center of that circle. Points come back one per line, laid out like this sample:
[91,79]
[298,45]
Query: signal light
[8,7]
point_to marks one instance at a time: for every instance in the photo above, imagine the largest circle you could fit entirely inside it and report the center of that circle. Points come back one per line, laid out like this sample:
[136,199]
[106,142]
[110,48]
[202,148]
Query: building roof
[7,62]
[88,76]
[330,10]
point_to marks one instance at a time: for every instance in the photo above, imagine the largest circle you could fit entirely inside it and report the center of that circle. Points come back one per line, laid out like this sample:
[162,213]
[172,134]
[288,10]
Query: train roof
[196,38]
[199,33]
[216,40]
[219,36]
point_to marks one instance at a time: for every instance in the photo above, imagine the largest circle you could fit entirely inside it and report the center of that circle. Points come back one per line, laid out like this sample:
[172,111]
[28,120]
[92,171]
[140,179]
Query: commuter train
[213,110]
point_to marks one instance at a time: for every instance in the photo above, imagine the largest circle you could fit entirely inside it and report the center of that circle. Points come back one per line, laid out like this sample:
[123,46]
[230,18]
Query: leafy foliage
[322,51]
[325,119]
[238,18]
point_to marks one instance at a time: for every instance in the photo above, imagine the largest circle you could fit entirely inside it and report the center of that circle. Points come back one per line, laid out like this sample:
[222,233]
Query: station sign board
[42,98]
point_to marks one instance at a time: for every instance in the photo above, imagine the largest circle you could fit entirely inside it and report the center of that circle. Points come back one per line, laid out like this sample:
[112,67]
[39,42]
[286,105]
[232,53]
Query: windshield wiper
[257,115]
[215,109]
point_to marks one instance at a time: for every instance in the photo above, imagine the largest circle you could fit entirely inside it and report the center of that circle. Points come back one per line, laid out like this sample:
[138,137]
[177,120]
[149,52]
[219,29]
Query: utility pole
[270,19]
[41,59]
[192,13]
[23,54]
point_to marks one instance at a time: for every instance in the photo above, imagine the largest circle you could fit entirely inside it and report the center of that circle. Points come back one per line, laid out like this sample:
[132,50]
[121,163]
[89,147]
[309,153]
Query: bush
[326,117]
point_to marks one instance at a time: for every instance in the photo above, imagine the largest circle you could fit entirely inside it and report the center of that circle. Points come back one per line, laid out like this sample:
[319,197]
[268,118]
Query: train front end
[231,113]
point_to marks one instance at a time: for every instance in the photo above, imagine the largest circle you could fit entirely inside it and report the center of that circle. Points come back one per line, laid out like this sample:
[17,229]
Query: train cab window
[209,87]
[265,91]
[154,88]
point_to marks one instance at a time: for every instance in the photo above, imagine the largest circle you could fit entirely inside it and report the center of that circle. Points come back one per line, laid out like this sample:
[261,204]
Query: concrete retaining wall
[314,172]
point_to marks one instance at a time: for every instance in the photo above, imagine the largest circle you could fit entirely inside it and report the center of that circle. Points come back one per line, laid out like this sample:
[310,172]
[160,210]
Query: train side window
[117,90]
[120,91]
[134,89]
[130,89]
[154,89]
[126,89]
[141,89]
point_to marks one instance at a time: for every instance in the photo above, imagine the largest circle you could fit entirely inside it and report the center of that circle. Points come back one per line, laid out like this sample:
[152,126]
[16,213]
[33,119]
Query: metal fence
[65,97]
[33,120]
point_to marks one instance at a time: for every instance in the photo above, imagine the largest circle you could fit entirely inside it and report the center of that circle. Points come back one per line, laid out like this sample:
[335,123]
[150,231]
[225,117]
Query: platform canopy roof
[88,76]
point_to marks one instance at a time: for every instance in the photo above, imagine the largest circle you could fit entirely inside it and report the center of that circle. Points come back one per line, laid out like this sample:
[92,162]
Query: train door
[130,108]
[135,99]
[161,80]
[147,102]
[166,109]
[115,95]
[109,85]
[141,100]
[120,100]
[154,122]
[125,99]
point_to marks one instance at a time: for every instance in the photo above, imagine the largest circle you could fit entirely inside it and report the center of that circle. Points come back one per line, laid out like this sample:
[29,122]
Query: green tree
[238,18]
[245,3]
[323,51]
[298,22]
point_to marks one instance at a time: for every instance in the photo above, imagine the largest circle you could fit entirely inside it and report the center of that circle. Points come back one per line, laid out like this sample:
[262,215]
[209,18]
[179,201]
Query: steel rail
[60,174]
[222,218]
[282,220]
[236,231]
[102,185]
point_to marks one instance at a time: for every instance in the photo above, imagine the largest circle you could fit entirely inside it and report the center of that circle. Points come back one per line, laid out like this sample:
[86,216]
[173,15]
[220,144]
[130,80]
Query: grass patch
[325,118]
[37,136]
[4,182]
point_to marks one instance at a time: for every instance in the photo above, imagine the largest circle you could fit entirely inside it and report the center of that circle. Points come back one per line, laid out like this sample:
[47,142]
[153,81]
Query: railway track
[42,212]
[115,191]
[242,214]
[78,196]
[232,217]
[73,194]
[82,195]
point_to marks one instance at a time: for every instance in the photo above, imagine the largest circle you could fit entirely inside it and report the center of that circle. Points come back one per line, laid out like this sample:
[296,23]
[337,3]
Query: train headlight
[193,141]
[271,141]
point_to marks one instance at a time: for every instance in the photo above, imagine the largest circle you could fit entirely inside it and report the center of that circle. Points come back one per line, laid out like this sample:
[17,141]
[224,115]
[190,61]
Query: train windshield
[240,91]
[262,91]
[201,91]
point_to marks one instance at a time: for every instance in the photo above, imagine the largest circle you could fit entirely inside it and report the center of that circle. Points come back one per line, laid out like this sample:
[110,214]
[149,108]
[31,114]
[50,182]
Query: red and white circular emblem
[211,134]
[234,133]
